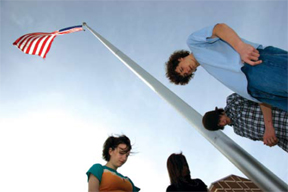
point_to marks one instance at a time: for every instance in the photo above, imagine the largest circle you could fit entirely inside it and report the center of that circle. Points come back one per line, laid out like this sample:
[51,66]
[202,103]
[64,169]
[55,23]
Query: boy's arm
[247,52]
[269,137]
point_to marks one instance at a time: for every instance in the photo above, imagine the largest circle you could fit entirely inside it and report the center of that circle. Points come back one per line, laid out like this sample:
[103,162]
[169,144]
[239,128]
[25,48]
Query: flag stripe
[70,31]
[48,47]
[73,27]
[40,43]
[18,40]
[37,45]
[45,46]
[27,44]
[22,38]
[22,42]
[31,45]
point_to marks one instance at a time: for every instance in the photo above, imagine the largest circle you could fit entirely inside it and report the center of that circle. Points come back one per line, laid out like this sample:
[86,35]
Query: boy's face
[224,120]
[185,66]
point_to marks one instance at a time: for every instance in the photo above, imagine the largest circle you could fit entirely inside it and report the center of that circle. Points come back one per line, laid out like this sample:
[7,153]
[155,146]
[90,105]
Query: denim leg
[267,81]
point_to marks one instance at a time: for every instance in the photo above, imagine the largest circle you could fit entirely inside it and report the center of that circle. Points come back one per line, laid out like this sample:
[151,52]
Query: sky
[56,113]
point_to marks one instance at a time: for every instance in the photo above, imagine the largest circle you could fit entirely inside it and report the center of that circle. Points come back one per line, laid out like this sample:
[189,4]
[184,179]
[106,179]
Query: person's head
[116,150]
[215,120]
[179,68]
[178,169]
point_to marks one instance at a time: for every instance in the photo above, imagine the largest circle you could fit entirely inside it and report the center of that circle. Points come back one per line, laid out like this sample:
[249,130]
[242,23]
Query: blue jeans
[267,81]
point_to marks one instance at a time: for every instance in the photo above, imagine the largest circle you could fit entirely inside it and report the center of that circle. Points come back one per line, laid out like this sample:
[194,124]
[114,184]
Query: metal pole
[249,166]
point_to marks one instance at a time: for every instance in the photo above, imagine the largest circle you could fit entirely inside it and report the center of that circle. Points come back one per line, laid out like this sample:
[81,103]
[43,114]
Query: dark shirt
[193,185]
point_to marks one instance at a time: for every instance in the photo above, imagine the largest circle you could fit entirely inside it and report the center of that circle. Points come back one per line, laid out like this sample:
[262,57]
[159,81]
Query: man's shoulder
[202,36]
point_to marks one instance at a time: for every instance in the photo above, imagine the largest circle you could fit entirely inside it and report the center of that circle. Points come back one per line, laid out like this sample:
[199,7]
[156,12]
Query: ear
[110,151]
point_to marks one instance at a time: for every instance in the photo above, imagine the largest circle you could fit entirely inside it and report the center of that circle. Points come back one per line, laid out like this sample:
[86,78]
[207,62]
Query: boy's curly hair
[171,66]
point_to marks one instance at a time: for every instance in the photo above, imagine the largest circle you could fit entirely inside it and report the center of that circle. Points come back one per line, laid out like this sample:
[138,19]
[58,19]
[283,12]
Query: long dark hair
[178,169]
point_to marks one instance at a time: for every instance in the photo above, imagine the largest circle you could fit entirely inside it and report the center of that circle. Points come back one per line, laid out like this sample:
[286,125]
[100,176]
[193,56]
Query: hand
[269,137]
[249,54]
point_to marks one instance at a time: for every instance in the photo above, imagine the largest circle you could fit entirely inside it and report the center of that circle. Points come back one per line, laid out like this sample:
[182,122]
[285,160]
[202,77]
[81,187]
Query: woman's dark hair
[113,142]
[171,66]
[178,169]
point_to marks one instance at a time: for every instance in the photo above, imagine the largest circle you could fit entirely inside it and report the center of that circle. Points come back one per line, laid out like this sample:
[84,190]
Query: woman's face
[119,155]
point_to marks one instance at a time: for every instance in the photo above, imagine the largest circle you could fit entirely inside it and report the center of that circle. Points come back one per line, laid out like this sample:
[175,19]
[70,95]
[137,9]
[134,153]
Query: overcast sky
[55,114]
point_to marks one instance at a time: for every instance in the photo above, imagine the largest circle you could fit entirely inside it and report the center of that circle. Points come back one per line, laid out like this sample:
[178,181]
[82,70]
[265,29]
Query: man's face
[185,67]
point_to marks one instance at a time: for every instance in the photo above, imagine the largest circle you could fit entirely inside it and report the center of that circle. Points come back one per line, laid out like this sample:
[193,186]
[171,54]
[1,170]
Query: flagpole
[249,166]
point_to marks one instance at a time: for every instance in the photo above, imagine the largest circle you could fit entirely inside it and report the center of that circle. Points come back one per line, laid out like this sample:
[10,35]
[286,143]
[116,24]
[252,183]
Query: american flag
[40,43]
